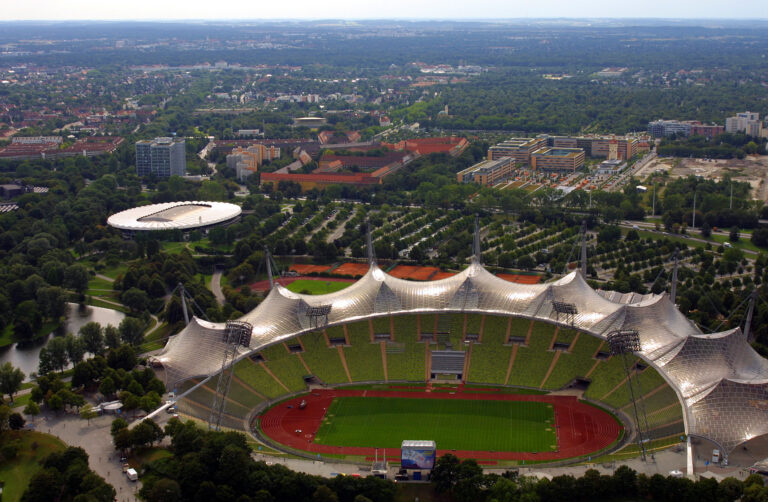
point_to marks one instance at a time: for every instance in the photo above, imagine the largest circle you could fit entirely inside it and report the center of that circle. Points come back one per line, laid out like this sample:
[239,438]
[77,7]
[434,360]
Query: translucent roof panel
[717,376]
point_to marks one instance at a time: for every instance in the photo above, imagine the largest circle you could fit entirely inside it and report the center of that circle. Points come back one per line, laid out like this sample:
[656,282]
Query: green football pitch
[455,424]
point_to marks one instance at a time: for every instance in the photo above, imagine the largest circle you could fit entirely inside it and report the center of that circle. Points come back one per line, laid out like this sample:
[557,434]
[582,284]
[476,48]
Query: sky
[367,9]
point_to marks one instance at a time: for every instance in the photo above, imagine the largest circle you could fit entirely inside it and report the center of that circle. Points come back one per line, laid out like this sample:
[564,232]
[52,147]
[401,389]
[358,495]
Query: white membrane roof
[174,215]
[722,383]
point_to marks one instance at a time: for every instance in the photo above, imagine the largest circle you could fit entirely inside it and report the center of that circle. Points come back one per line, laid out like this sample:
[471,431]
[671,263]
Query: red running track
[582,429]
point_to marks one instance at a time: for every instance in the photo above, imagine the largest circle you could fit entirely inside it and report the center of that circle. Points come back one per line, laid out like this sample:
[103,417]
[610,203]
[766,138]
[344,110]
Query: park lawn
[156,339]
[95,302]
[113,272]
[317,287]
[99,283]
[459,424]
[7,338]
[173,247]
[21,401]
[16,474]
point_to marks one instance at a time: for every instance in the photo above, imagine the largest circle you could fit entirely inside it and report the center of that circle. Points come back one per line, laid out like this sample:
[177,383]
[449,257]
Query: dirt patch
[351,269]
[413,272]
[753,170]
[520,279]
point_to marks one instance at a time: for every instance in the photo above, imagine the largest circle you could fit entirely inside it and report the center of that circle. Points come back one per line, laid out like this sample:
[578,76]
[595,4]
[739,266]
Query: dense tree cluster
[465,481]
[217,466]
[66,477]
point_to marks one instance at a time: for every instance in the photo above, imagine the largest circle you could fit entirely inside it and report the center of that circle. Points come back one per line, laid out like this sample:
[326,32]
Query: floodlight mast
[236,333]
[624,343]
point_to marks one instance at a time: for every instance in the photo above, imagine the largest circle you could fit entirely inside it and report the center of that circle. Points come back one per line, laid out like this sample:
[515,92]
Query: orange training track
[582,429]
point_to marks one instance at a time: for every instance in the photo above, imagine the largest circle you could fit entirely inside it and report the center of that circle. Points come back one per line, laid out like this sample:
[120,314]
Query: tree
[52,302]
[165,490]
[92,336]
[324,494]
[734,234]
[76,278]
[131,330]
[706,230]
[32,409]
[75,348]
[16,421]
[87,412]
[526,262]
[56,350]
[107,387]
[445,473]
[135,299]
[10,380]
[111,337]
[123,357]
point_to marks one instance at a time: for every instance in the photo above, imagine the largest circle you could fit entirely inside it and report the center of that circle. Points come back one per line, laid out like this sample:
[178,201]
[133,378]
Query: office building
[520,149]
[487,172]
[557,159]
[663,128]
[161,157]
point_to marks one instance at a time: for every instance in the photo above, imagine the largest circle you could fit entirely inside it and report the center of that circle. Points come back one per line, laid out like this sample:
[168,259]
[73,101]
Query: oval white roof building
[184,215]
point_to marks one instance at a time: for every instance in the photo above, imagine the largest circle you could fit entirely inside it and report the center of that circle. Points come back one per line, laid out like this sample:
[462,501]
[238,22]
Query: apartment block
[246,161]
[747,122]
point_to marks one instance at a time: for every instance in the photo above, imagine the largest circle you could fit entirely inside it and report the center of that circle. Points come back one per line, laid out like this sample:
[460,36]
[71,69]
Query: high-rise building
[746,122]
[161,157]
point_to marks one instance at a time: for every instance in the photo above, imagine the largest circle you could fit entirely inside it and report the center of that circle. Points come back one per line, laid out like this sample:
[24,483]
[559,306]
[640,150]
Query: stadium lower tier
[504,352]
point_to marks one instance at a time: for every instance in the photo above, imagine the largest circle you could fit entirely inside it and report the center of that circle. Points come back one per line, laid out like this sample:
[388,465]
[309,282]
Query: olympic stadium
[186,215]
[383,334]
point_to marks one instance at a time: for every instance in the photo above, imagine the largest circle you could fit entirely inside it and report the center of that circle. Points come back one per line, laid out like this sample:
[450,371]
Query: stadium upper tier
[175,215]
[720,380]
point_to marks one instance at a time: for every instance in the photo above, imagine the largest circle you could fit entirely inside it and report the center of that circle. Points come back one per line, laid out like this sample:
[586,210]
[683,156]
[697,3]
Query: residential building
[520,149]
[487,172]
[246,161]
[746,122]
[707,130]
[161,157]
[557,159]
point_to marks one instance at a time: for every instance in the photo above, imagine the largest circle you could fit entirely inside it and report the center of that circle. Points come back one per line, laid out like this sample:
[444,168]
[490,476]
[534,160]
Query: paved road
[97,442]
[216,287]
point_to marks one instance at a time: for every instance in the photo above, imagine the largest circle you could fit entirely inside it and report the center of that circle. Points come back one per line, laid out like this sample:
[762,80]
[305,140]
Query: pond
[26,356]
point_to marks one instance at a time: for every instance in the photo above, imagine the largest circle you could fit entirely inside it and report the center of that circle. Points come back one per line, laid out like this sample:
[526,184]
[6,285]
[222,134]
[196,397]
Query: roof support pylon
[369,244]
[476,251]
[750,311]
[673,287]
[584,248]
[268,258]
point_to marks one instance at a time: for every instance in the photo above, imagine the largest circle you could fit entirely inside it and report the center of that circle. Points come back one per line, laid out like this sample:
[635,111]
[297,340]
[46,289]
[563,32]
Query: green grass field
[16,474]
[452,423]
[319,287]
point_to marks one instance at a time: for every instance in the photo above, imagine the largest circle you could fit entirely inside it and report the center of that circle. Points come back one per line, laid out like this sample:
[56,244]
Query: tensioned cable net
[720,380]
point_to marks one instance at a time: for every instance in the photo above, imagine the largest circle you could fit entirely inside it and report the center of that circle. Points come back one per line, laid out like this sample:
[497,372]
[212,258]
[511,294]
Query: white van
[132,474]
[715,456]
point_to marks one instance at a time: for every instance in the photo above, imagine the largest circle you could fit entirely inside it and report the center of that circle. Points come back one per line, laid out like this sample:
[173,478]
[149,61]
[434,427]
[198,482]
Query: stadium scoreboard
[418,454]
